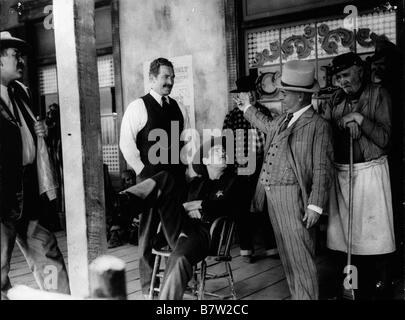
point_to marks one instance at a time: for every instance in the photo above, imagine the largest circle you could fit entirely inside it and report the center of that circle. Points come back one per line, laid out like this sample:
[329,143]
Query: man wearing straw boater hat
[361,122]
[296,174]
[19,195]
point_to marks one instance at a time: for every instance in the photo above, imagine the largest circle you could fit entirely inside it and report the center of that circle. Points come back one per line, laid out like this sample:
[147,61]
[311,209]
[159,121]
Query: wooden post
[107,278]
[231,30]
[81,137]
[119,102]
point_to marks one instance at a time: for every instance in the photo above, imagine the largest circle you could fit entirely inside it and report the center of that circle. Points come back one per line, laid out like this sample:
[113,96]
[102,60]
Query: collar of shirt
[298,114]
[4,94]
[158,97]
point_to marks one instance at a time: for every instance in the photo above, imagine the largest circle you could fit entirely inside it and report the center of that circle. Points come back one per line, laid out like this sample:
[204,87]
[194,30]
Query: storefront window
[109,130]
[268,48]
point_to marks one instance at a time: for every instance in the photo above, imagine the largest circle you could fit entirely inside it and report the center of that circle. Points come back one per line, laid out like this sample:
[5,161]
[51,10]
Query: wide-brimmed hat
[245,84]
[345,61]
[8,41]
[299,76]
[198,166]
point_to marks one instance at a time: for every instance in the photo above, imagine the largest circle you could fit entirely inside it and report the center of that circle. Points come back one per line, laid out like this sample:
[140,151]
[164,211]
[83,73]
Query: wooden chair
[221,232]
[158,272]
[222,235]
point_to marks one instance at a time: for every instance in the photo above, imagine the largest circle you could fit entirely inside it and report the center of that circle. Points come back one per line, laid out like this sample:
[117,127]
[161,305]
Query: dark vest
[161,118]
[18,184]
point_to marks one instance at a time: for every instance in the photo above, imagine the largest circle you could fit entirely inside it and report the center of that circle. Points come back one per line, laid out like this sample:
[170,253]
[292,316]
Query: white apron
[373,230]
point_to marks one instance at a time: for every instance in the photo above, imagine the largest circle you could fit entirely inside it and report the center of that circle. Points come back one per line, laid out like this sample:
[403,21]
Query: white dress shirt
[298,114]
[28,144]
[133,121]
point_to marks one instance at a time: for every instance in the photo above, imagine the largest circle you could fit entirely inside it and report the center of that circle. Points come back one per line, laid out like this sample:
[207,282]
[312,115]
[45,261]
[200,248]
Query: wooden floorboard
[262,280]
[252,281]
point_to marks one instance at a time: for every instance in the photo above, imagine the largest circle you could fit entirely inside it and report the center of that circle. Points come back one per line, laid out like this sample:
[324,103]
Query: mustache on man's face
[20,66]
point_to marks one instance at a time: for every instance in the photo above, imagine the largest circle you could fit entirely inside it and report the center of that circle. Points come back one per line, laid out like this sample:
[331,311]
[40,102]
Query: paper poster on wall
[182,92]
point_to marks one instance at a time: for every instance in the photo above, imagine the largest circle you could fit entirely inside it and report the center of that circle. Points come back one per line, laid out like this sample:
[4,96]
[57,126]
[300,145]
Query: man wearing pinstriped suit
[296,174]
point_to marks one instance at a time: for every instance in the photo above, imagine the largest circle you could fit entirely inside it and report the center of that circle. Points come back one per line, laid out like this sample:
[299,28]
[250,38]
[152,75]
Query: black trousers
[249,223]
[164,194]
[189,250]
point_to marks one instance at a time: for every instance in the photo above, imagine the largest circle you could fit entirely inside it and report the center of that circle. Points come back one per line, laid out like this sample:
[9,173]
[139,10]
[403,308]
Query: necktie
[165,104]
[10,92]
[285,123]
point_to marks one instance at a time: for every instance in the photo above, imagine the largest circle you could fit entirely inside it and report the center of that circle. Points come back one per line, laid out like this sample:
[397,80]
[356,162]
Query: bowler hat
[345,61]
[245,84]
[298,75]
[8,41]
[198,166]
[384,49]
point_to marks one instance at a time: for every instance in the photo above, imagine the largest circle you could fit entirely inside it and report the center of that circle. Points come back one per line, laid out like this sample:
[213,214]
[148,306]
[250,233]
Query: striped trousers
[295,243]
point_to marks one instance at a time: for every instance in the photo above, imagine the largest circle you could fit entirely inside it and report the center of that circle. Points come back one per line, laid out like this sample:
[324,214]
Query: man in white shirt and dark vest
[296,174]
[146,118]
[19,195]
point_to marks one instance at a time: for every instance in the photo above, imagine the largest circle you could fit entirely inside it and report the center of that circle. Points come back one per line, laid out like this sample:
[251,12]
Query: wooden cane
[348,292]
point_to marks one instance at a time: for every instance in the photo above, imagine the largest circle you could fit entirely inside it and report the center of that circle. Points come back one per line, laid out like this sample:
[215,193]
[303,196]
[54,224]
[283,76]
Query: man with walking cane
[361,121]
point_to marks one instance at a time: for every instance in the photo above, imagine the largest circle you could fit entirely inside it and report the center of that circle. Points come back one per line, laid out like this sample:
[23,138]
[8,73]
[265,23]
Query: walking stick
[348,292]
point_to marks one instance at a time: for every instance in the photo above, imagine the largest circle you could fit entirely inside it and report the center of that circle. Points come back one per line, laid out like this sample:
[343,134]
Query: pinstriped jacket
[310,153]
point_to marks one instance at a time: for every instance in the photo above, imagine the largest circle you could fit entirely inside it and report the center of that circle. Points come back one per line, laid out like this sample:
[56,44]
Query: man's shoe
[159,242]
[115,240]
[384,291]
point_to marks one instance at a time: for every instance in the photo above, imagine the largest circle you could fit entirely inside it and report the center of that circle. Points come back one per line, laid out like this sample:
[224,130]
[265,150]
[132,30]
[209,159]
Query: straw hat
[299,76]
[8,41]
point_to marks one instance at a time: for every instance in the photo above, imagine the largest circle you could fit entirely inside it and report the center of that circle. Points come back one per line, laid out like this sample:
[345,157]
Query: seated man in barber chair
[216,192]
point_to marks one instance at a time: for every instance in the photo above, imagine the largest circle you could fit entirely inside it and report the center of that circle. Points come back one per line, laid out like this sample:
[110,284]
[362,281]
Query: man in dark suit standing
[144,121]
[296,174]
[19,196]
[249,146]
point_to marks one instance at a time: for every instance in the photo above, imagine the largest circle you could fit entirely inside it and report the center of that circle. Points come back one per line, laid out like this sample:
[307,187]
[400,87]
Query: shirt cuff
[247,107]
[315,208]
[138,168]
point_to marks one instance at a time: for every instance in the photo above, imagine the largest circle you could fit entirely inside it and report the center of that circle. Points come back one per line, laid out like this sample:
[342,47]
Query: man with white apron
[363,111]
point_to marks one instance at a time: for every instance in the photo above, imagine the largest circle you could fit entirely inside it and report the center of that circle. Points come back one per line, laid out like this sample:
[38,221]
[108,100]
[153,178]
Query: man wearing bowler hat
[296,174]
[19,196]
[361,111]
[249,145]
